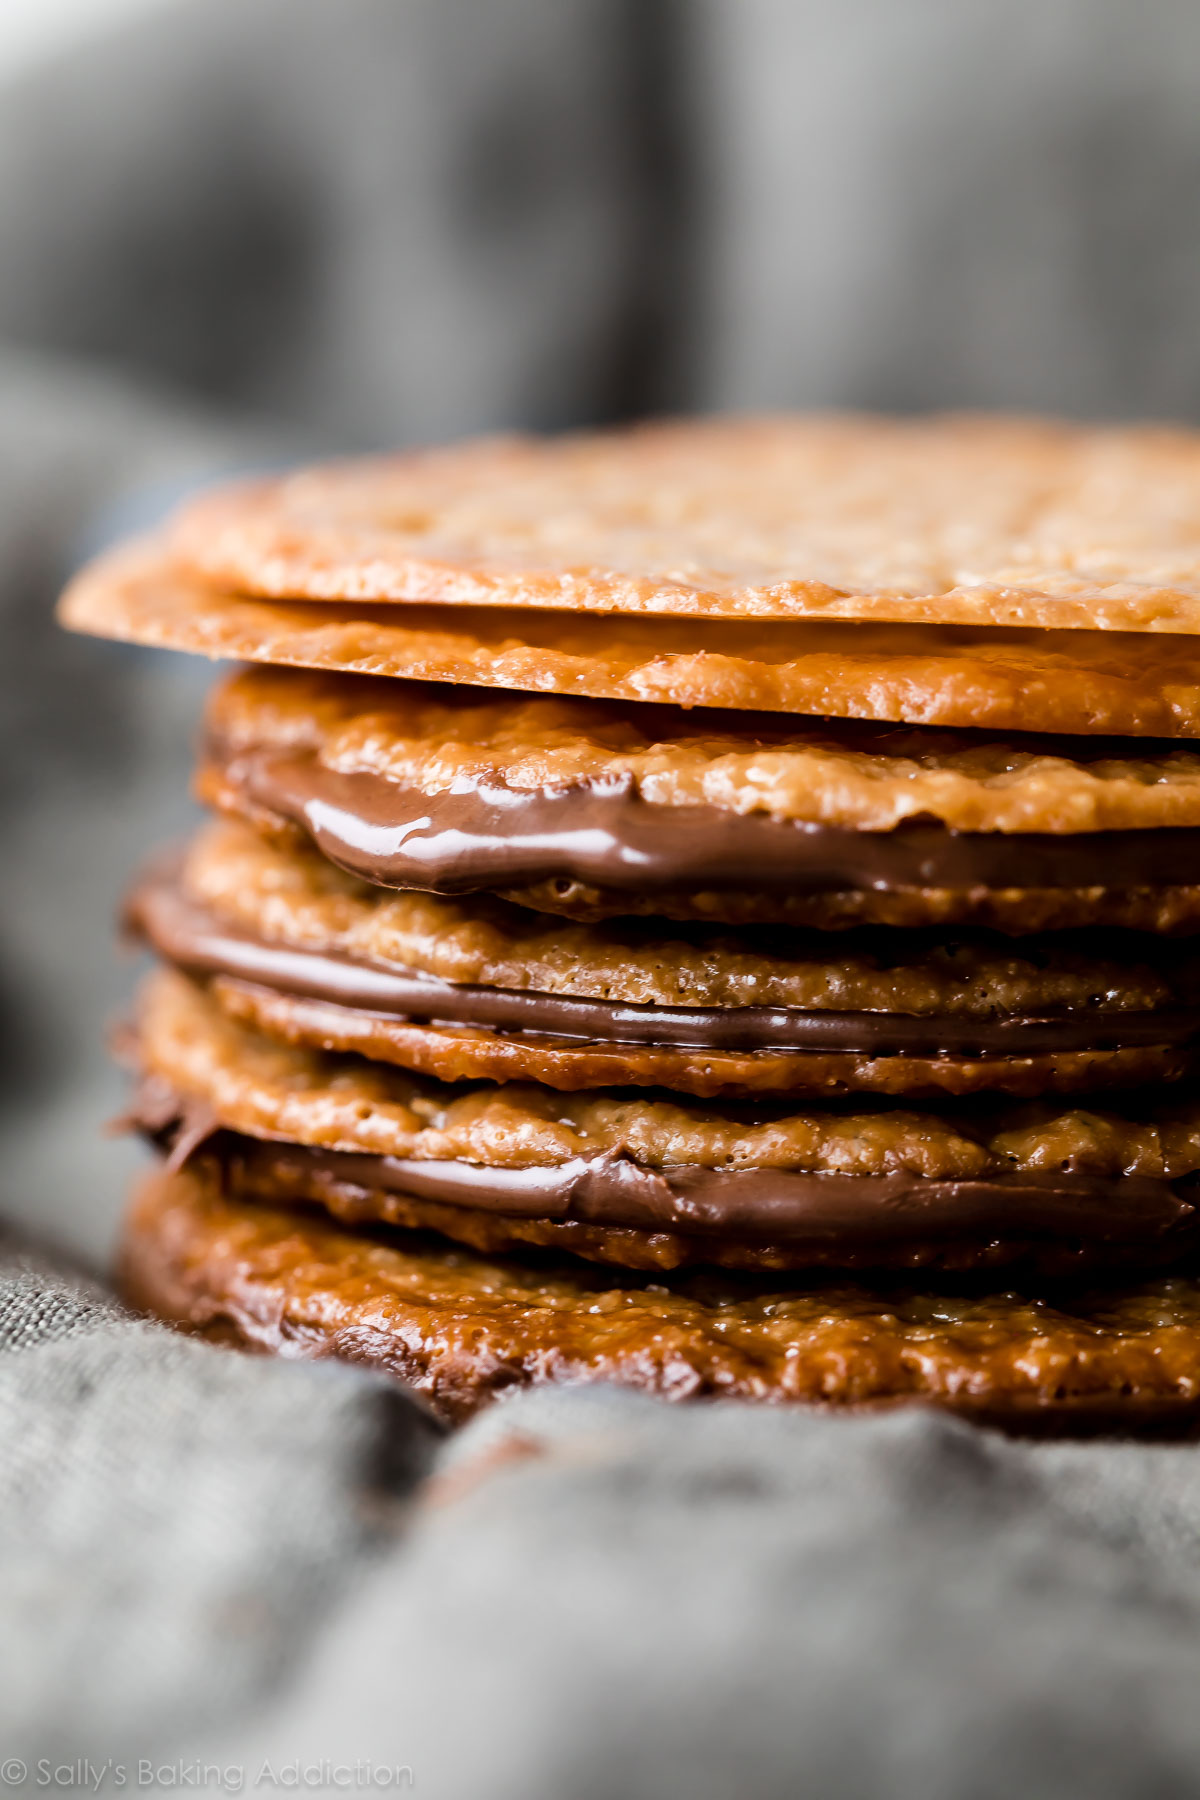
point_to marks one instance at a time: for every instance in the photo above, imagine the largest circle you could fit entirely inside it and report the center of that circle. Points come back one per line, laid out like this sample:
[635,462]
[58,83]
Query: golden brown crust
[254,1084]
[851,777]
[461,1328]
[927,674]
[968,520]
[464,1053]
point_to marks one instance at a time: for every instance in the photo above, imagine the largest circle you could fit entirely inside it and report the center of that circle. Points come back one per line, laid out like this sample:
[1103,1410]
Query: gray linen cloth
[229,1573]
[242,229]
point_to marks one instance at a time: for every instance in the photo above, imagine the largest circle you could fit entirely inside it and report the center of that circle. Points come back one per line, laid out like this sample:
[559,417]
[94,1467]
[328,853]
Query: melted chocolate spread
[486,835]
[785,1205]
[851,1214]
[196,940]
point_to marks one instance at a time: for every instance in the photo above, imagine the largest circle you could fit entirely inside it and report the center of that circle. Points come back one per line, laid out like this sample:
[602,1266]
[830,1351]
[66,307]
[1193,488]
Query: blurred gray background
[238,231]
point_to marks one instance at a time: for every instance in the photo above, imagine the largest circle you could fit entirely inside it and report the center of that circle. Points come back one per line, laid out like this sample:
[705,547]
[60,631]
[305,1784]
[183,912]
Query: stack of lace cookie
[710,907]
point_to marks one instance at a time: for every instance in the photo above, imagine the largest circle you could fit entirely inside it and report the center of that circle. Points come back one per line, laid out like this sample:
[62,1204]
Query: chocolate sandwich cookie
[461,1328]
[701,906]
[478,988]
[657,1180]
[1006,679]
[593,809]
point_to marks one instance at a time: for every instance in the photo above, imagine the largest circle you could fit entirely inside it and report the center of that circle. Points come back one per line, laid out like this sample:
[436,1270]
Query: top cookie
[953,520]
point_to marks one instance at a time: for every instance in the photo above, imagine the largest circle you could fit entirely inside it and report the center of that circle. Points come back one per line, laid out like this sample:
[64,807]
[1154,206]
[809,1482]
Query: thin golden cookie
[859,778]
[957,520]
[926,674]
[461,1328]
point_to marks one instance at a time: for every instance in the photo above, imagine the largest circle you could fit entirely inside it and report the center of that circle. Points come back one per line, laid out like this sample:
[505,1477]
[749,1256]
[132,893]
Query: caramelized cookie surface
[955,519]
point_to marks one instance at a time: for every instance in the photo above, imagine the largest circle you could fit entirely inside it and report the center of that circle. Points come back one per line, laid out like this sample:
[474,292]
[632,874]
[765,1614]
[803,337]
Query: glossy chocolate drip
[196,940]
[786,1205]
[603,834]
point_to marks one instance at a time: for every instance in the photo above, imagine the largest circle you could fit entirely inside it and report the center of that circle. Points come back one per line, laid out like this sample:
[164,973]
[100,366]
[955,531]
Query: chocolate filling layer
[787,1205]
[603,834]
[196,940]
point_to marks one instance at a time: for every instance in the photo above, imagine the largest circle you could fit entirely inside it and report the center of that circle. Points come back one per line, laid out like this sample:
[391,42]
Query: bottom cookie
[459,1327]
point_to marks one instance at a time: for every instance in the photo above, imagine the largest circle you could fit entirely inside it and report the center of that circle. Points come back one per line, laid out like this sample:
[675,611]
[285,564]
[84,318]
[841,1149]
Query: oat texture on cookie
[461,1327]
